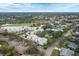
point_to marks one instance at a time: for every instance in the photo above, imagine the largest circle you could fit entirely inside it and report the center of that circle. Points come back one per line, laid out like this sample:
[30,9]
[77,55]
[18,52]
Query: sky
[39,7]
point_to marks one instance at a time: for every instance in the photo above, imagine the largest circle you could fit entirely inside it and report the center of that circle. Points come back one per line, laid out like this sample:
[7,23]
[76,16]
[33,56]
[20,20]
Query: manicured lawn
[24,24]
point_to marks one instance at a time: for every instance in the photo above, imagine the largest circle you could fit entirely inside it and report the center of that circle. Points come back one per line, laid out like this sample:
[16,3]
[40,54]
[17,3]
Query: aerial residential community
[42,36]
[39,34]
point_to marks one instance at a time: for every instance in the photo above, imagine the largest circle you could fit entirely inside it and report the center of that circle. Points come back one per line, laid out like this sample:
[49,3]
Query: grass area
[25,24]
[76,54]
[55,53]
[62,44]
[34,52]
[6,50]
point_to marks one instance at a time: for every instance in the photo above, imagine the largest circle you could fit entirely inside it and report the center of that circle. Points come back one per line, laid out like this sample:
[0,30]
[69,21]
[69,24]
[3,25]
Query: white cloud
[28,7]
[66,8]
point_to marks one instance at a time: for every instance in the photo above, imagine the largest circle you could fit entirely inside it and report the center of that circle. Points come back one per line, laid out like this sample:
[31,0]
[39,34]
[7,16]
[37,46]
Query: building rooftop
[66,52]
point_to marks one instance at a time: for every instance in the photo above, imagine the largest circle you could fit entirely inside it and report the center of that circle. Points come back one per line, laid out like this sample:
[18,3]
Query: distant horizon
[39,12]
